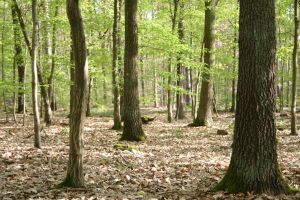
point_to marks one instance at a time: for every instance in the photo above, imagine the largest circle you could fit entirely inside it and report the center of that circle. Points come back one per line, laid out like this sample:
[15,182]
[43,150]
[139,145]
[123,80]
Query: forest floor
[175,162]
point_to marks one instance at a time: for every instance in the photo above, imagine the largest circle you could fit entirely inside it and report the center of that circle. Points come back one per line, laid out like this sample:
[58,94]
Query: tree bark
[19,59]
[294,77]
[180,71]
[75,176]
[116,65]
[254,165]
[204,113]
[132,118]
[37,138]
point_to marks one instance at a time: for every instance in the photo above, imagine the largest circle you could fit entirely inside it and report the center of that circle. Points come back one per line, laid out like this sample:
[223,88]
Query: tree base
[198,123]
[68,183]
[117,127]
[231,184]
[133,138]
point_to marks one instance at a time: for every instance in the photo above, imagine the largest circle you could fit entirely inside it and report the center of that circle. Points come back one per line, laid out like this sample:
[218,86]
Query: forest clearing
[175,162]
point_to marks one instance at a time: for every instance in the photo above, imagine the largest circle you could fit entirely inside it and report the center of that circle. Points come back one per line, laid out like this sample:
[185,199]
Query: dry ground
[176,162]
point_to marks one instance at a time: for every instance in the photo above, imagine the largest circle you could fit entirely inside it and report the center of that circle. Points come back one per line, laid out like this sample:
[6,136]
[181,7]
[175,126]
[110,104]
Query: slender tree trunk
[132,118]
[180,70]
[116,65]
[233,84]
[37,138]
[2,65]
[204,113]
[254,165]
[19,59]
[294,80]
[174,17]
[143,80]
[155,104]
[90,86]
[75,176]
[53,64]
[288,66]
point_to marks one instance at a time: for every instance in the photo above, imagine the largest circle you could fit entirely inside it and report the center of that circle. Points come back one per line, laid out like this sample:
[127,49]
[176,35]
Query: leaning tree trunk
[37,138]
[132,118]
[294,80]
[204,113]
[115,65]
[19,60]
[254,166]
[75,176]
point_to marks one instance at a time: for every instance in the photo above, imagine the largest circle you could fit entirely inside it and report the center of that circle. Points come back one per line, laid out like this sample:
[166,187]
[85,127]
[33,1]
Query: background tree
[133,130]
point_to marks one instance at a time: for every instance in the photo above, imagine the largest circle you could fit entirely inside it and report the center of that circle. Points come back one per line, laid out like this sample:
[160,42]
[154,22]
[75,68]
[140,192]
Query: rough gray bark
[254,165]
[133,130]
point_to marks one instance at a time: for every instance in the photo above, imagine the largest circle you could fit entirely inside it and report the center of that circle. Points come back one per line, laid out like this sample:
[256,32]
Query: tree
[75,176]
[37,138]
[116,64]
[204,113]
[133,130]
[19,60]
[254,166]
[294,66]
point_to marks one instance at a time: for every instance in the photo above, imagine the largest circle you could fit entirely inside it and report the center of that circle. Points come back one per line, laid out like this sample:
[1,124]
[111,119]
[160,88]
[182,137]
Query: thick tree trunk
[37,138]
[132,118]
[204,113]
[116,65]
[19,60]
[75,176]
[254,166]
[294,79]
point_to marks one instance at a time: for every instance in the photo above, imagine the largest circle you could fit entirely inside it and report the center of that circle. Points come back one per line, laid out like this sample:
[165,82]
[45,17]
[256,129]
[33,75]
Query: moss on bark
[133,137]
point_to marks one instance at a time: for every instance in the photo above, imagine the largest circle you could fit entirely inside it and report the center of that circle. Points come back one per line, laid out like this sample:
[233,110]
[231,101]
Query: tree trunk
[37,138]
[254,166]
[116,65]
[132,118]
[75,176]
[180,71]
[204,113]
[155,103]
[174,17]
[88,109]
[143,80]
[294,79]
[233,84]
[51,90]
[19,60]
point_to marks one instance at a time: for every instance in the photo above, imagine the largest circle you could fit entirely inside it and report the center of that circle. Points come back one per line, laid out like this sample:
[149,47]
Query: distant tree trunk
[90,86]
[180,71]
[37,138]
[19,60]
[2,64]
[254,166]
[132,118]
[294,80]
[142,79]
[233,92]
[116,65]
[204,113]
[75,176]
[288,66]
[188,86]
[155,104]
[174,17]
[51,90]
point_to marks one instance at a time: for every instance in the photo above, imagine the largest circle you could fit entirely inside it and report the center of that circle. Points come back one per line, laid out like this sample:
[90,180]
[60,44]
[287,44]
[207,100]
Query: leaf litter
[175,162]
